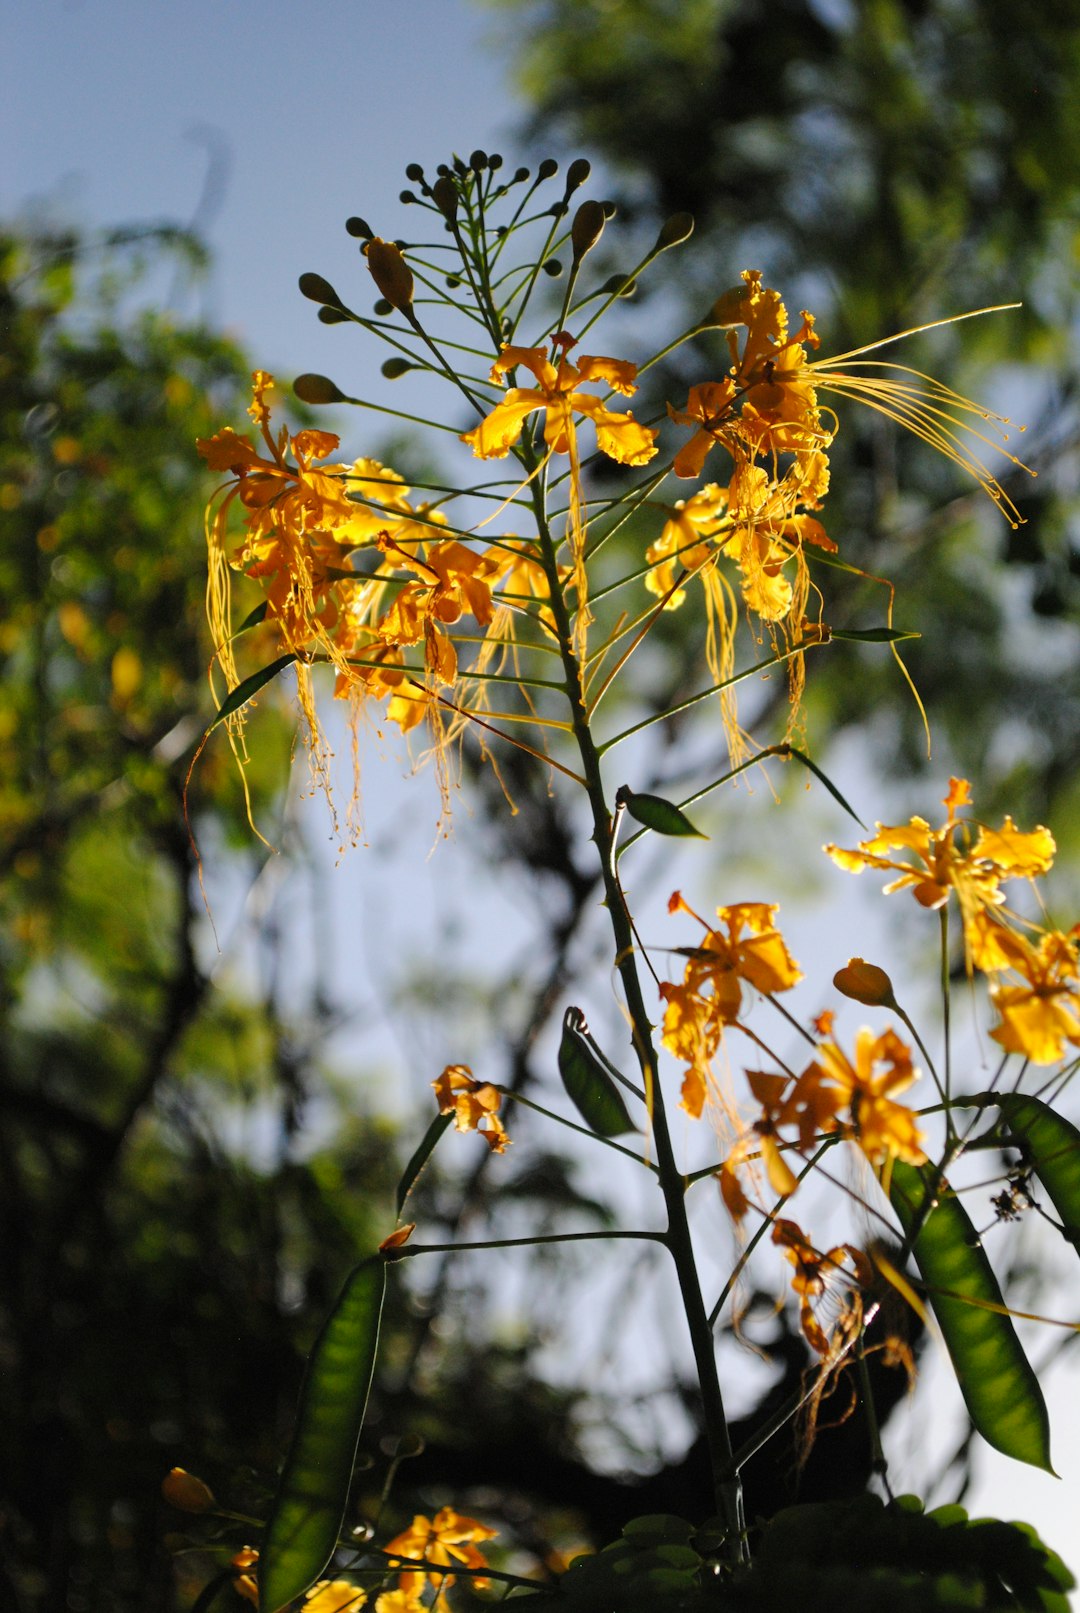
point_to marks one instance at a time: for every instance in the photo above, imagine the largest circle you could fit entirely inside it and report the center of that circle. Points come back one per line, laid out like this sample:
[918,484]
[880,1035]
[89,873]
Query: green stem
[946,999]
[726,1484]
[407,1250]
[572,1125]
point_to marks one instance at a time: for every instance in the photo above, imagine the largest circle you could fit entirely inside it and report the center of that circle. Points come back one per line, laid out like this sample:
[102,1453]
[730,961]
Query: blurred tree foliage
[154,1279]
[888,163]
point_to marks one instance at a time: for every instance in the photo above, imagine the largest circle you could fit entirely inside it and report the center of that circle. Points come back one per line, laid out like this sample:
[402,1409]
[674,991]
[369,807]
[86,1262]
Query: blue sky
[106,108]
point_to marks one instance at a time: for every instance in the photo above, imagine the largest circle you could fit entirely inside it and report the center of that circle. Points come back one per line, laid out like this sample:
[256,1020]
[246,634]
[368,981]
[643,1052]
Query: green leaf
[420,1158]
[303,1528]
[996,1379]
[254,618]
[588,1085]
[1051,1147]
[800,756]
[662,817]
[249,689]
[873,635]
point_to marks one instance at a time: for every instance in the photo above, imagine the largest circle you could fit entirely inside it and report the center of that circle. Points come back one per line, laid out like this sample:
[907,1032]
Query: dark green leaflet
[422,1154]
[249,688]
[588,1085]
[1051,1147]
[662,817]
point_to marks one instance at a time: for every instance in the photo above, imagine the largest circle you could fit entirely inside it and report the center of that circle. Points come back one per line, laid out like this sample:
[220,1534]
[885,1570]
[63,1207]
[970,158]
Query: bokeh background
[201,1125]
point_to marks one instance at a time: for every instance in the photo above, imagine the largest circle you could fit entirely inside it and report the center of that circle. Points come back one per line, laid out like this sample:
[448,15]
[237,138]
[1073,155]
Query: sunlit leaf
[249,689]
[995,1377]
[309,1506]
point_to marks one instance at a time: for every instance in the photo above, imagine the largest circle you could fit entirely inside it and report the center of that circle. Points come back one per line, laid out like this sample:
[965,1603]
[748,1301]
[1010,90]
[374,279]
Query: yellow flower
[618,435]
[775,389]
[444,1541]
[949,859]
[748,948]
[770,382]
[473,1104]
[679,548]
[1041,1015]
[244,1580]
[334,1596]
[882,1128]
[399,1601]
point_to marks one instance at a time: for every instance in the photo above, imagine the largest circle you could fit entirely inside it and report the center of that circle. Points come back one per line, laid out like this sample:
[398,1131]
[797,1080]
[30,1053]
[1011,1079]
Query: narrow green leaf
[253,619]
[249,688]
[1051,1146]
[996,1379]
[873,635]
[420,1158]
[303,1527]
[662,817]
[800,756]
[588,1085]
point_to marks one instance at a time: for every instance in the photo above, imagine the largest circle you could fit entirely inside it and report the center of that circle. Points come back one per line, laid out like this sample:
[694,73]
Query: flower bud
[187,1493]
[359,227]
[865,983]
[399,1236]
[587,228]
[679,227]
[444,193]
[311,388]
[317,289]
[547,169]
[577,173]
[390,273]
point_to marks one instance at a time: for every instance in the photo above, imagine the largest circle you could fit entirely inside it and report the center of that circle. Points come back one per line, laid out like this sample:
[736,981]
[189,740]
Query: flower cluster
[443,1543]
[418,617]
[434,1548]
[1035,970]
[356,575]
